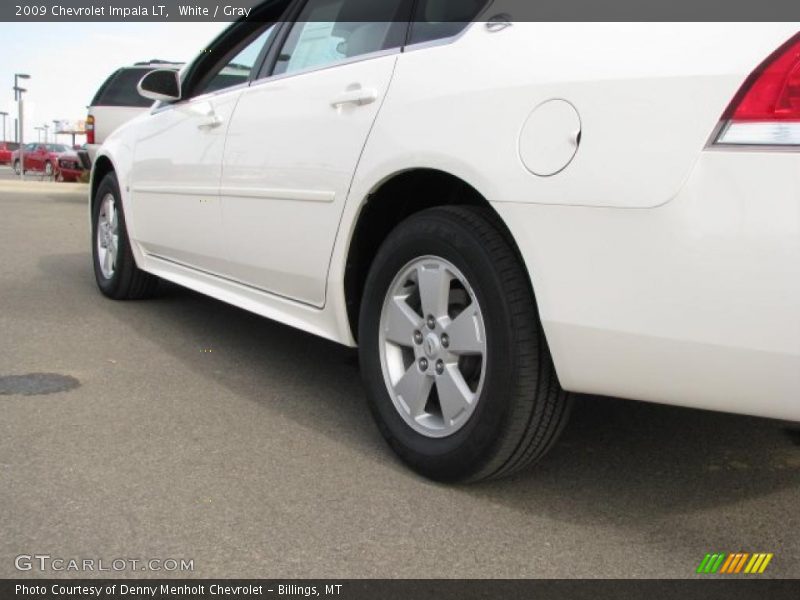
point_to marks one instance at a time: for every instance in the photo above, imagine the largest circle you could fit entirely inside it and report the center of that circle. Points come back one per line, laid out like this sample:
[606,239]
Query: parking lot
[190,429]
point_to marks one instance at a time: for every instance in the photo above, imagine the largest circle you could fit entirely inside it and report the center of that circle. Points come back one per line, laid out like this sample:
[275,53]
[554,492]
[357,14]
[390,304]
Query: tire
[518,407]
[48,169]
[16,168]
[117,276]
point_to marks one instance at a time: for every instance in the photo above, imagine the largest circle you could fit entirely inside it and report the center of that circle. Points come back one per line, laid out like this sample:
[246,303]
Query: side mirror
[161,84]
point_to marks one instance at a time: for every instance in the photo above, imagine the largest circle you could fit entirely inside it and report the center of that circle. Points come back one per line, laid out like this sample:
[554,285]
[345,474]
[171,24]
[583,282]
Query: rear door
[295,140]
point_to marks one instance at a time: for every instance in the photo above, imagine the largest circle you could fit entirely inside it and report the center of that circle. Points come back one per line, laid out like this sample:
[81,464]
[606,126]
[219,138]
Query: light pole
[55,130]
[4,115]
[46,128]
[18,91]
[39,131]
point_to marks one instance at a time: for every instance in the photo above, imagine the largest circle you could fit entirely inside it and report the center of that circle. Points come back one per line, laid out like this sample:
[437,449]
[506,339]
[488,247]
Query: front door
[295,140]
[178,161]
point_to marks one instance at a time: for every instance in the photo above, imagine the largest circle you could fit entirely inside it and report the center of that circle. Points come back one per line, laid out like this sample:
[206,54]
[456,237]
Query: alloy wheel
[107,236]
[433,346]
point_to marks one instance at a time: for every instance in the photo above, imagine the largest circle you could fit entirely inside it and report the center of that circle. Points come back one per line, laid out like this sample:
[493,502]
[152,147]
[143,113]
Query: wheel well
[102,167]
[395,200]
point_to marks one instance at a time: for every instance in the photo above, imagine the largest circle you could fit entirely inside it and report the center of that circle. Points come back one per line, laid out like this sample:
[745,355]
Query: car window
[238,69]
[440,19]
[120,90]
[329,31]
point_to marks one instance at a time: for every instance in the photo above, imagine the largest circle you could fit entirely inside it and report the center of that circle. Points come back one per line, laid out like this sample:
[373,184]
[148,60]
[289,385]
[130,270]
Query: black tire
[16,167]
[522,408]
[48,169]
[127,282]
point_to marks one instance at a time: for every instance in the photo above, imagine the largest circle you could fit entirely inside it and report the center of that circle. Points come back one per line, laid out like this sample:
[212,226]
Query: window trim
[267,72]
[451,39]
[232,32]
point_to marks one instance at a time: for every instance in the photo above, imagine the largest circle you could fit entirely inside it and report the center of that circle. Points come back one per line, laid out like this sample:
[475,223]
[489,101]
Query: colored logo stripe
[734,563]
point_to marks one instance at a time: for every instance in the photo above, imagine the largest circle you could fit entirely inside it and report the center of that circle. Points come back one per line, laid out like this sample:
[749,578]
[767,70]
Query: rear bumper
[693,303]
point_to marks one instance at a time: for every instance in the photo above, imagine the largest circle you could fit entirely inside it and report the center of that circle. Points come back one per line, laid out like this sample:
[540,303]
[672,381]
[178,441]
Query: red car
[6,150]
[71,166]
[40,157]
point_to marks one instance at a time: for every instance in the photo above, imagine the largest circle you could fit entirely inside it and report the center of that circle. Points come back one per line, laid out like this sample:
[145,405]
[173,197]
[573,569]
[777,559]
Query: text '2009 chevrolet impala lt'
[496,213]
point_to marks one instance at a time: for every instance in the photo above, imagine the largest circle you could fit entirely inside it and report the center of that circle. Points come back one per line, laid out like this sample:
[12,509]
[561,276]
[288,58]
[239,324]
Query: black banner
[517,10]
[372,589]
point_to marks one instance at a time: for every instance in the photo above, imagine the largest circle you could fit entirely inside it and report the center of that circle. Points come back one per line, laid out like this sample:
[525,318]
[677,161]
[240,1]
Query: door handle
[211,122]
[355,97]
[206,116]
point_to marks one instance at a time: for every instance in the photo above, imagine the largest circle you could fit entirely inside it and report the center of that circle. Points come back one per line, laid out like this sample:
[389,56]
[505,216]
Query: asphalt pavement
[182,428]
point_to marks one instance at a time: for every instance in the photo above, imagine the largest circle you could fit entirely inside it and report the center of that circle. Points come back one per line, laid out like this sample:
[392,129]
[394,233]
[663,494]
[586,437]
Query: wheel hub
[432,346]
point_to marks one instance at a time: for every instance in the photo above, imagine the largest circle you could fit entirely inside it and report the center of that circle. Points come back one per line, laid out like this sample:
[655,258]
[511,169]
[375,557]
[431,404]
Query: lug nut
[418,337]
[445,340]
[423,364]
[439,367]
[431,322]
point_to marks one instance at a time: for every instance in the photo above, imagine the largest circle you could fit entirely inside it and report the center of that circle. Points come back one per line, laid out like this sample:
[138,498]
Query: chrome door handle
[355,97]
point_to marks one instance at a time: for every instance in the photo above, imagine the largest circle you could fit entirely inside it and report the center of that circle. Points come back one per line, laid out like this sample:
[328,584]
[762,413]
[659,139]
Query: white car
[117,101]
[496,213]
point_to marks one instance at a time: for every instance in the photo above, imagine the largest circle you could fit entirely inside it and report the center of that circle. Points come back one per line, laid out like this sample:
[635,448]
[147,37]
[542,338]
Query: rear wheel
[48,169]
[16,167]
[115,269]
[457,369]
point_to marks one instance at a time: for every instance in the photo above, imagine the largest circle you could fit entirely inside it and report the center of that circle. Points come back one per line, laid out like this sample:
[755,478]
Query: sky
[67,62]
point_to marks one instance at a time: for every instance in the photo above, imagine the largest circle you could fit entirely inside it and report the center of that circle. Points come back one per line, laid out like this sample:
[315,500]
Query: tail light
[89,129]
[766,111]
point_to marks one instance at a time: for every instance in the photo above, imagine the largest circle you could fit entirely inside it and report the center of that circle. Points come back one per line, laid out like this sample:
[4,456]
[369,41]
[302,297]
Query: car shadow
[618,461]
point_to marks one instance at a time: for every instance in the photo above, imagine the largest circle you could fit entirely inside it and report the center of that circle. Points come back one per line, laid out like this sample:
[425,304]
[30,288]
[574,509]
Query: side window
[329,31]
[236,70]
[440,19]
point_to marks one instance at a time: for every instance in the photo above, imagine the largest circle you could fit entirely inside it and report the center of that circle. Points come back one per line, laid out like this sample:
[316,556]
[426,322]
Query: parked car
[72,166]
[6,151]
[40,157]
[118,101]
[495,216]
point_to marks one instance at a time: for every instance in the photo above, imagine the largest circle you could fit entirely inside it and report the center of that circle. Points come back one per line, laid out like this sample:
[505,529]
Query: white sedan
[496,213]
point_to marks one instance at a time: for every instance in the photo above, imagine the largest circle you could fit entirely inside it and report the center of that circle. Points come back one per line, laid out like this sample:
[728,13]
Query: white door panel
[293,146]
[175,180]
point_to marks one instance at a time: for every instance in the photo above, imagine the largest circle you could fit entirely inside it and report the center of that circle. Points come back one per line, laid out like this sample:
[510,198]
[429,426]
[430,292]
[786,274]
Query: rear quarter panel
[649,96]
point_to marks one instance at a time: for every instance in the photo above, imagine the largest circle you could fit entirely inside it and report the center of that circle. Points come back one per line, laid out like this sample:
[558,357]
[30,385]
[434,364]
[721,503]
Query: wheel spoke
[434,289]
[413,390]
[401,322]
[465,332]
[107,262]
[112,250]
[454,394]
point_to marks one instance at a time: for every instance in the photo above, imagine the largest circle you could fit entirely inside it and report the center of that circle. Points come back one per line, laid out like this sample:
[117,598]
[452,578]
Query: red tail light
[766,111]
[89,129]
